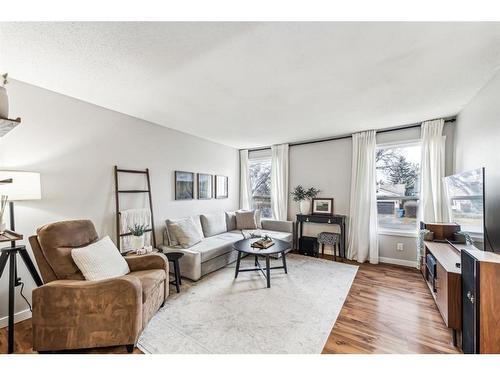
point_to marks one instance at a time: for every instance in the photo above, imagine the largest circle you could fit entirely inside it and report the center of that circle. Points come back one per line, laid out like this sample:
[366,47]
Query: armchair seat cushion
[150,280]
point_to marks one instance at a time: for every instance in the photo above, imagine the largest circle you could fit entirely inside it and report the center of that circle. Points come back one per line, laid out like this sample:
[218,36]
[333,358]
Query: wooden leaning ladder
[145,172]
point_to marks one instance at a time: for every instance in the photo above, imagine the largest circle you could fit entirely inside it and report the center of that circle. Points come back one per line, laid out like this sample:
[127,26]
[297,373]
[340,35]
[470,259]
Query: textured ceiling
[253,84]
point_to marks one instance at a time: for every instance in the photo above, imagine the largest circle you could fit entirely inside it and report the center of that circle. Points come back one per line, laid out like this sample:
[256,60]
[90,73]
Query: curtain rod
[386,130]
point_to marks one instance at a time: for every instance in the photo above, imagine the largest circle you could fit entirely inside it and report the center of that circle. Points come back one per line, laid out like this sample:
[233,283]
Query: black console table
[322,219]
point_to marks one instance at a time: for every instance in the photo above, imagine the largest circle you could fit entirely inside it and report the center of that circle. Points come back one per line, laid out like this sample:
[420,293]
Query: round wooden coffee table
[244,247]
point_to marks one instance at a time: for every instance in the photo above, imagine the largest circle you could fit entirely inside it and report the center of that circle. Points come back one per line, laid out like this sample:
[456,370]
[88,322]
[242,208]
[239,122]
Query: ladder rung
[133,191]
[129,233]
[131,171]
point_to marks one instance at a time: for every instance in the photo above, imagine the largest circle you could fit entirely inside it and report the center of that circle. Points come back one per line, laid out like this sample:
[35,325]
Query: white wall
[327,166]
[477,137]
[74,145]
[477,145]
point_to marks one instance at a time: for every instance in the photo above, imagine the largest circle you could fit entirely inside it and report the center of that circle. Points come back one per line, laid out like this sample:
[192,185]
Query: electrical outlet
[400,246]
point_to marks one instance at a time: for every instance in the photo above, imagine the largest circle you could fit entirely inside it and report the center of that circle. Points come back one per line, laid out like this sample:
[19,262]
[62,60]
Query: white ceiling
[254,84]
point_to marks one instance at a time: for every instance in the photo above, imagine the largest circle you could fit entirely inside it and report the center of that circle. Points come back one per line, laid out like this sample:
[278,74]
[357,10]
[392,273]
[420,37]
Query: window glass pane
[398,173]
[260,182]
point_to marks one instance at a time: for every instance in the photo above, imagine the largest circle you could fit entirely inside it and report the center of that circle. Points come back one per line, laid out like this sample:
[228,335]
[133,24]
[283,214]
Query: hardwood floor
[388,310]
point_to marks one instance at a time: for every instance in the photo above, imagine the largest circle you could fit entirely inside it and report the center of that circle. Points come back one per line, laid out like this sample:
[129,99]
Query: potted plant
[303,197]
[137,232]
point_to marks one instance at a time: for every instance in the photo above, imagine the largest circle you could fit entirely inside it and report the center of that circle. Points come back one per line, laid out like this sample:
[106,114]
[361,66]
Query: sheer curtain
[433,207]
[362,234]
[245,188]
[279,181]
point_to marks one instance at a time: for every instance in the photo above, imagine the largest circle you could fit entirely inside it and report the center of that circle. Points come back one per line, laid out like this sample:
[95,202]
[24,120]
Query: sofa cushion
[230,220]
[213,224]
[150,279]
[246,220]
[100,260]
[172,240]
[185,232]
[212,247]
[58,239]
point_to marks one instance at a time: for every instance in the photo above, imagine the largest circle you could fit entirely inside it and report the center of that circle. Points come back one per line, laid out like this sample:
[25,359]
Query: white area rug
[221,314]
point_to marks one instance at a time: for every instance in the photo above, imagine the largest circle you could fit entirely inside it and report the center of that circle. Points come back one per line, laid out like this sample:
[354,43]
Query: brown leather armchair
[72,313]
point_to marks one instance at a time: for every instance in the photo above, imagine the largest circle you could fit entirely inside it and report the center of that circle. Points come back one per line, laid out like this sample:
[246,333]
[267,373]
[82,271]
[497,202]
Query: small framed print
[221,187]
[184,185]
[205,189]
[322,206]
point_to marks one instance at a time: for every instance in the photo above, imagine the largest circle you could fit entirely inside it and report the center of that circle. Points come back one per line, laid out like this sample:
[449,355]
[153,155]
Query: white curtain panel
[362,233]
[279,181]
[245,188]
[433,206]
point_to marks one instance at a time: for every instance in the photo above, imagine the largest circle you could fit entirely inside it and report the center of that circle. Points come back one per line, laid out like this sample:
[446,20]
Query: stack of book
[263,243]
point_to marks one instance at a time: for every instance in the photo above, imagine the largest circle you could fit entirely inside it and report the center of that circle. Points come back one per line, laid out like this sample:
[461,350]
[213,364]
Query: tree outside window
[260,182]
[398,173]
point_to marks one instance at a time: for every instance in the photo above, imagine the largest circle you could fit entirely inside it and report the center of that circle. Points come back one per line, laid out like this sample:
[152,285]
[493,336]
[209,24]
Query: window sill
[395,232]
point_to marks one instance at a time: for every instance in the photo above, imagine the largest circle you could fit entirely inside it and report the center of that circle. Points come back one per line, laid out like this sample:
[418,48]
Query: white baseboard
[18,317]
[399,262]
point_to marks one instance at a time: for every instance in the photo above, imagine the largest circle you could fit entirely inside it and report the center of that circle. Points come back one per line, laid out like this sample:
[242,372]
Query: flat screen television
[474,203]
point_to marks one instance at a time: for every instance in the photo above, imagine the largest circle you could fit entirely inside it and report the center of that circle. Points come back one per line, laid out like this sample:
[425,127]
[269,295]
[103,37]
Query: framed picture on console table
[221,189]
[322,206]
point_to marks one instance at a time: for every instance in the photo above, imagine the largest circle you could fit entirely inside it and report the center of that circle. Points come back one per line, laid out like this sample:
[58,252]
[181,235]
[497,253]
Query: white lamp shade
[24,185]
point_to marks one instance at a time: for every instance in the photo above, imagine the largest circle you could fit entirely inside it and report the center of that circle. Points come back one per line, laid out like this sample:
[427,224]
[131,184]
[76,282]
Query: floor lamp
[17,186]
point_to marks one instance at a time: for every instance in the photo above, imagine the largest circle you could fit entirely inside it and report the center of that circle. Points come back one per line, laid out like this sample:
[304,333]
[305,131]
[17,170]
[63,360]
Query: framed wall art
[184,185]
[221,187]
[205,186]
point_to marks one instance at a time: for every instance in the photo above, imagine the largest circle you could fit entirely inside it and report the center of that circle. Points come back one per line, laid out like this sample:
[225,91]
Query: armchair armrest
[147,262]
[277,225]
[73,314]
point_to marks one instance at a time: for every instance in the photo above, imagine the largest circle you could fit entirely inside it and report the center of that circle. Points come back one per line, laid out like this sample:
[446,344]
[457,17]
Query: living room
[249,187]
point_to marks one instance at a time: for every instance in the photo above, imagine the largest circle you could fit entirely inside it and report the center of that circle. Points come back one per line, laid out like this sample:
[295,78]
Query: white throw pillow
[100,260]
[172,240]
[186,233]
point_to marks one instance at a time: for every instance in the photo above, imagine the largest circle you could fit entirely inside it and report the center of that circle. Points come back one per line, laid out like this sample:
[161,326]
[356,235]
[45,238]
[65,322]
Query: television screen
[466,200]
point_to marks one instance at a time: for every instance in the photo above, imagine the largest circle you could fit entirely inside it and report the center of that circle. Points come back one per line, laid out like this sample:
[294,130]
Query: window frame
[392,231]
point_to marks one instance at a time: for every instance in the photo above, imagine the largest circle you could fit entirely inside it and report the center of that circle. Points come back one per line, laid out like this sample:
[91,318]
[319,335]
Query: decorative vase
[305,207]
[137,242]
[4,103]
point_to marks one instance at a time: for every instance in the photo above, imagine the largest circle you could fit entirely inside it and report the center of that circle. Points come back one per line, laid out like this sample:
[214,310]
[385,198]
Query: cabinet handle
[468,294]
[329,221]
[472,299]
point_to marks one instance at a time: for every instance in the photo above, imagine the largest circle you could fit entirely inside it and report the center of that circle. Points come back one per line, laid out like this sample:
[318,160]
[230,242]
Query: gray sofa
[215,251]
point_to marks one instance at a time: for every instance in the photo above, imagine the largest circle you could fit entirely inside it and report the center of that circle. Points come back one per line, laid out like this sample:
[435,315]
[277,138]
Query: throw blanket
[128,218]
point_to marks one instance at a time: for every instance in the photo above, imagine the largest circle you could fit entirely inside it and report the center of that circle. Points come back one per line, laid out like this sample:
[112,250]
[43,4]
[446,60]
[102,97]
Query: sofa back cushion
[172,239]
[186,233]
[56,241]
[230,220]
[100,260]
[213,224]
[245,220]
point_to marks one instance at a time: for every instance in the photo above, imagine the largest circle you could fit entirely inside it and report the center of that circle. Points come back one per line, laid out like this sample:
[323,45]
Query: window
[465,200]
[398,175]
[259,165]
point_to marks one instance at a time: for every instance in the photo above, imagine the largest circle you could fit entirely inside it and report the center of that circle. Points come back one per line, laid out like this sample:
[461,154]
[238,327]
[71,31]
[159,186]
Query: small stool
[328,238]
[174,258]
